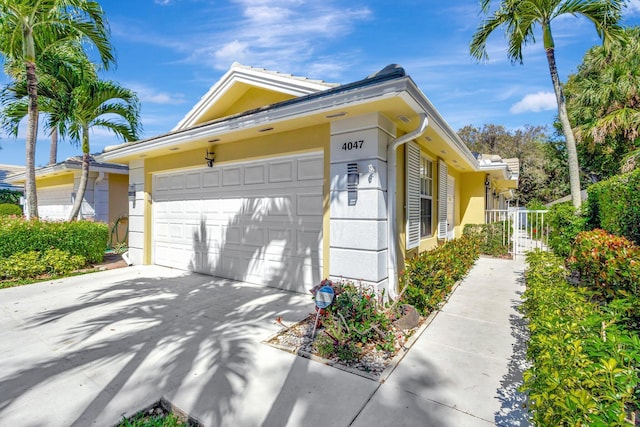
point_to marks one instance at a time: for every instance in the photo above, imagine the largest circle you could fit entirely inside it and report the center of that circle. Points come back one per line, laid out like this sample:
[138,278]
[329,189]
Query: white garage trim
[259,221]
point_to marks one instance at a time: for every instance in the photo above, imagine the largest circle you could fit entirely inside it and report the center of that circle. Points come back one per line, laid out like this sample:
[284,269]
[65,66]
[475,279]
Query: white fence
[523,230]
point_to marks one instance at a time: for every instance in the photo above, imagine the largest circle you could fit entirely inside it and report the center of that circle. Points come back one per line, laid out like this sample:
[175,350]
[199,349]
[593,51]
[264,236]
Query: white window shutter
[442,199]
[413,194]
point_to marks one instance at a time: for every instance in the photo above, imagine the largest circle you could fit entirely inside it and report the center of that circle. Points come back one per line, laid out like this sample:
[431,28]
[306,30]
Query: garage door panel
[211,179]
[231,176]
[281,171]
[193,180]
[176,182]
[310,169]
[280,205]
[260,222]
[309,204]
[254,174]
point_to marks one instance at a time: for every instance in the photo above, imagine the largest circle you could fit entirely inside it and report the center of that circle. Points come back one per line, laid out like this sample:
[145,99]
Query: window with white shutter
[412,151]
[442,199]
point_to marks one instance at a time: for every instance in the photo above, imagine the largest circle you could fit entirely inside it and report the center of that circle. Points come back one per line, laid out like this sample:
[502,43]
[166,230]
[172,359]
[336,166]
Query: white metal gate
[523,230]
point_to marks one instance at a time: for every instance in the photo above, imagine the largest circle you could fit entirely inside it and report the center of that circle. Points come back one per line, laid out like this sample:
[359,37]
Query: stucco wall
[118,204]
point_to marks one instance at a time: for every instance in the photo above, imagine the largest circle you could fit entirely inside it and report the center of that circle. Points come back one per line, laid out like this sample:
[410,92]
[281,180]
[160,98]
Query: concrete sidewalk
[90,349]
[465,368]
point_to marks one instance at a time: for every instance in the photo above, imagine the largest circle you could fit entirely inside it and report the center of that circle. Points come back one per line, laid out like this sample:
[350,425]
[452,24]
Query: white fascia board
[22,176]
[441,126]
[260,78]
[214,92]
[497,167]
[357,96]
[63,166]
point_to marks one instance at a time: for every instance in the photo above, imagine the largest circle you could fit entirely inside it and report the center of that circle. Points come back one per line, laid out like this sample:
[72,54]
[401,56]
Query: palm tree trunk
[53,149]
[572,153]
[32,134]
[84,177]
[82,187]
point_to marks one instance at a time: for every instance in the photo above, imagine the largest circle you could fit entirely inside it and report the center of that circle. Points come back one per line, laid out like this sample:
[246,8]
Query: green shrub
[613,205]
[355,318]
[58,262]
[584,361]
[565,223]
[29,265]
[84,238]
[430,276]
[607,263]
[494,238]
[22,265]
[10,196]
[10,209]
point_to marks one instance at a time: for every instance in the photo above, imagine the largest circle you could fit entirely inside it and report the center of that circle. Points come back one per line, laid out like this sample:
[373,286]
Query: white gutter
[392,158]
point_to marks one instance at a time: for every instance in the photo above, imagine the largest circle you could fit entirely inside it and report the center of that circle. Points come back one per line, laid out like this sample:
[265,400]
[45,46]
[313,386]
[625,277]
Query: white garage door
[54,203]
[259,222]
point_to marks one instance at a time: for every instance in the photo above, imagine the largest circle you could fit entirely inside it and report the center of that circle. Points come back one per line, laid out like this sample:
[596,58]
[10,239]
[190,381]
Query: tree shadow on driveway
[115,347]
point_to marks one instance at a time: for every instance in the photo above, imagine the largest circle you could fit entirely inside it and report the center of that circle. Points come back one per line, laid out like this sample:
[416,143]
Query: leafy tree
[540,158]
[603,100]
[520,20]
[27,29]
[102,104]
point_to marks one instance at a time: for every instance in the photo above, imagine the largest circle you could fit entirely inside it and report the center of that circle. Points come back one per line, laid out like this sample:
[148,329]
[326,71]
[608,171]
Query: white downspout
[392,157]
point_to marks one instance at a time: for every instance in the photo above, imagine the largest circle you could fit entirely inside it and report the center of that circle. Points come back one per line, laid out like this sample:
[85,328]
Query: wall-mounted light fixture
[210,158]
[353,179]
[132,194]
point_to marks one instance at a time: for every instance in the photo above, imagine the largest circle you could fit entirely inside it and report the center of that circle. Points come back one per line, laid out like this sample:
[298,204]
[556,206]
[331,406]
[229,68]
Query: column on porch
[358,199]
[136,212]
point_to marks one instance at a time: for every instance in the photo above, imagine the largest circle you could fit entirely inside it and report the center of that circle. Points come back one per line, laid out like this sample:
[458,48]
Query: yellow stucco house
[283,181]
[105,199]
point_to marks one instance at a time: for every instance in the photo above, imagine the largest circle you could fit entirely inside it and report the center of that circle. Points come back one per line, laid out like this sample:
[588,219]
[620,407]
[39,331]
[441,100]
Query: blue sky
[171,51]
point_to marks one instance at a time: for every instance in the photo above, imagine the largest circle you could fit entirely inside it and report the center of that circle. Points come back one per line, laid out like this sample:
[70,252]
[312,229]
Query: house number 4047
[353,145]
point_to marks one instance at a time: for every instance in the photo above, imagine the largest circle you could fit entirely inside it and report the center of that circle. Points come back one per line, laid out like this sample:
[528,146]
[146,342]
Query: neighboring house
[5,172]
[283,181]
[105,199]
[500,191]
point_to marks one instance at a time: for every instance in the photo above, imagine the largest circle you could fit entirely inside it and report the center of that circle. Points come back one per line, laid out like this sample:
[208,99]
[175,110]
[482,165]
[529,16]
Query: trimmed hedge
[430,276]
[565,223]
[584,358]
[10,209]
[83,238]
[27,265]
[614,205]
[609,264]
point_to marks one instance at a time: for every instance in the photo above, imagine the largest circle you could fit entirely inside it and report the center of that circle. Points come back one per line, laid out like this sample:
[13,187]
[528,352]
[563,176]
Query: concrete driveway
[88,350]
[91,349]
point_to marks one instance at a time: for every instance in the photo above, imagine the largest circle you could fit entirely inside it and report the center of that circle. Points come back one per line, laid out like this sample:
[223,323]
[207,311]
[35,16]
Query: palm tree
[59,72]
[103,104]
[520,19]
[27,28]
[603,96]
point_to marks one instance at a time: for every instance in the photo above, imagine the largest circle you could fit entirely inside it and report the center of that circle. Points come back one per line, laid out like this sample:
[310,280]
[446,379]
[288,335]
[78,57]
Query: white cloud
[152,96]
[162,2]
[232,51]
[535,102]
[633,7]
[279,34]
